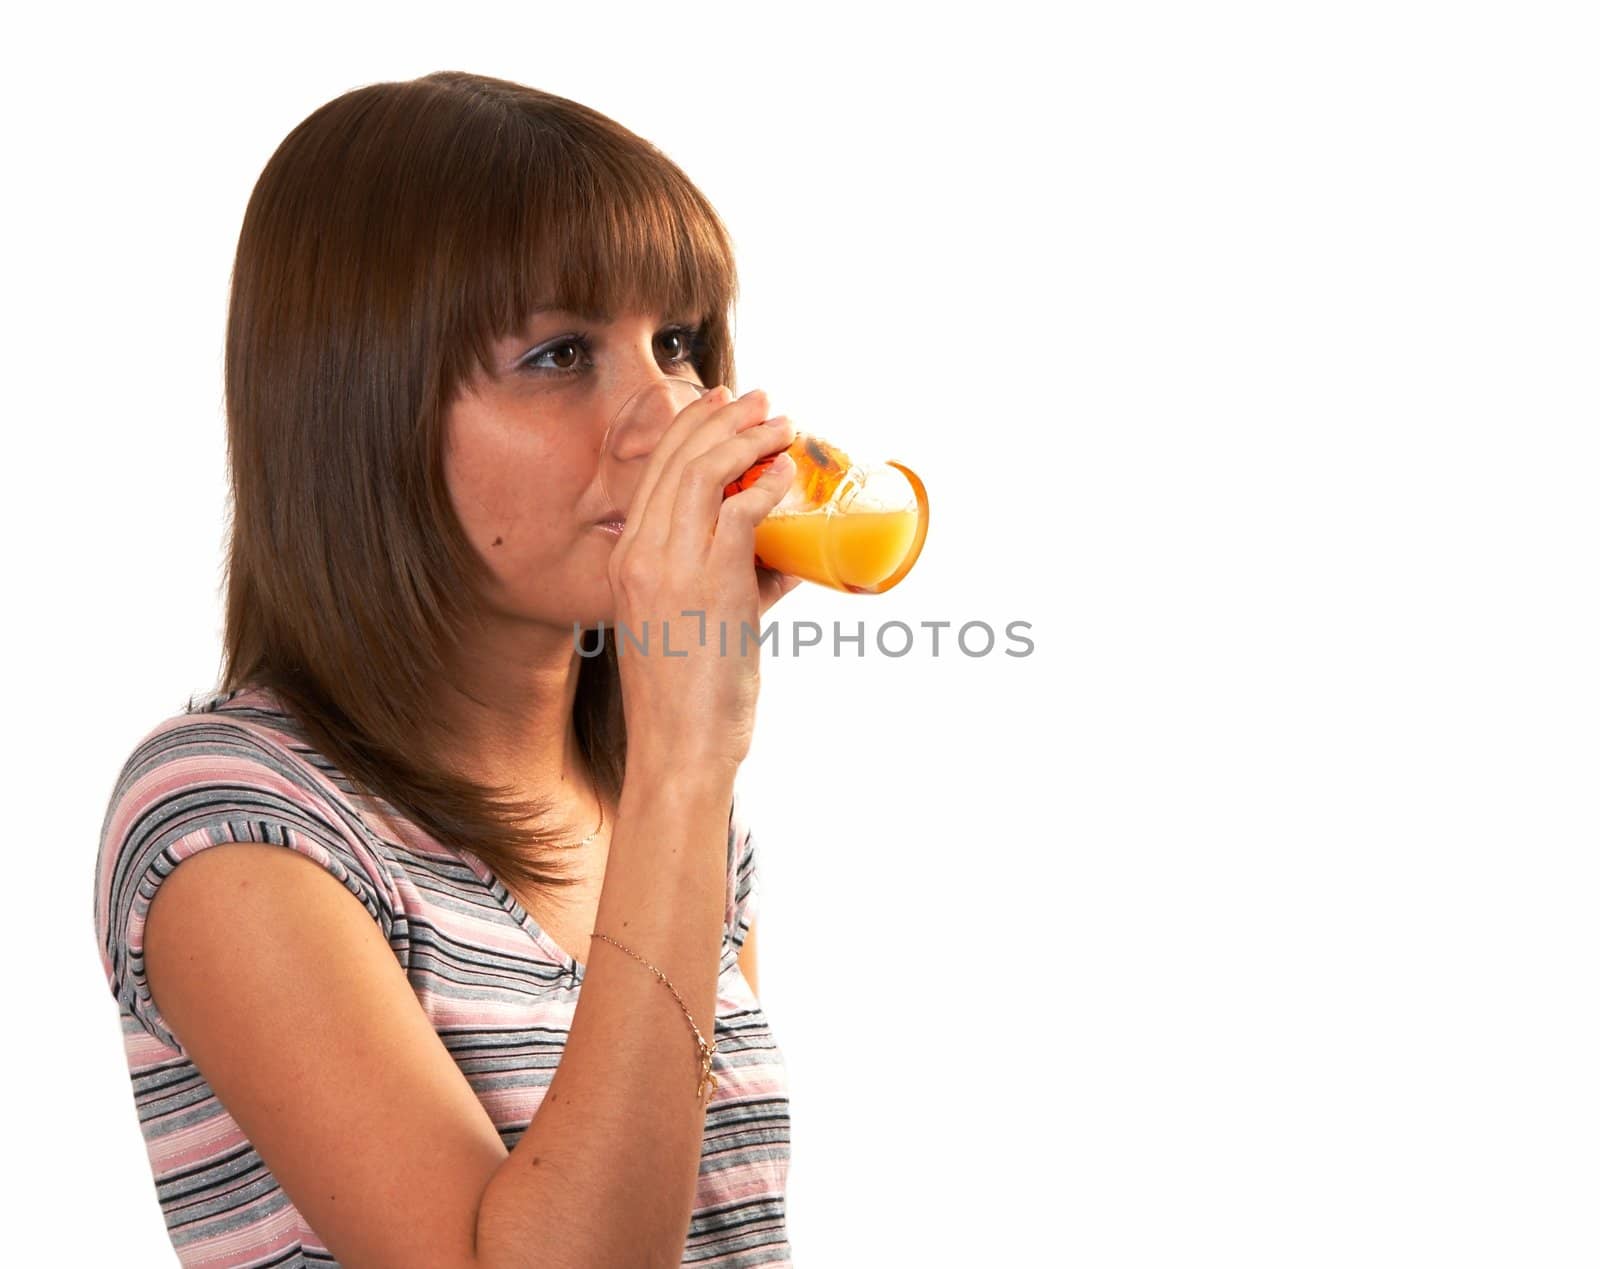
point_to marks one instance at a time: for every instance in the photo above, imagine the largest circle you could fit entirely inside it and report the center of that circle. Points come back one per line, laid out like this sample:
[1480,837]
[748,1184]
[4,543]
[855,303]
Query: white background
[1248,353]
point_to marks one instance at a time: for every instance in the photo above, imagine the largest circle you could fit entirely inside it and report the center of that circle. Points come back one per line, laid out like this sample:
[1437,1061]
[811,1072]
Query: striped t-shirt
[499,991]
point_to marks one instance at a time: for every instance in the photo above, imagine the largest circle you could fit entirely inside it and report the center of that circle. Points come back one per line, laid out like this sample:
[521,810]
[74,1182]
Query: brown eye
[549,360]
[689,340]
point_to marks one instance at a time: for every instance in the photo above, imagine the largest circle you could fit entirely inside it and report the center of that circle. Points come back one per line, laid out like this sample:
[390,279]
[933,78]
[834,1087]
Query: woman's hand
[773,584]
[688,549]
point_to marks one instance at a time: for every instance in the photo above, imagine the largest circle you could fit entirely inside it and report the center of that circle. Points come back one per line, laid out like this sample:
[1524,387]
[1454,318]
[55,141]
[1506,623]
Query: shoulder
[205,777]
[226,753]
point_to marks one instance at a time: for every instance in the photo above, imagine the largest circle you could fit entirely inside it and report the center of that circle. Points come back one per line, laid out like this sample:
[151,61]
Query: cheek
[514,495]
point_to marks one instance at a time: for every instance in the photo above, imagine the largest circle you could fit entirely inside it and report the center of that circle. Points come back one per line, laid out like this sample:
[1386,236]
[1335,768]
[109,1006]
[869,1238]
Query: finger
[772,585]
[682,425]
[749,460]
[735,536]
[706,477]
[680,447]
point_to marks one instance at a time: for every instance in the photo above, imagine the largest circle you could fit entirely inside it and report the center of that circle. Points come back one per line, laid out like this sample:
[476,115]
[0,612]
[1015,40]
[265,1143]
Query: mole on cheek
[497,541]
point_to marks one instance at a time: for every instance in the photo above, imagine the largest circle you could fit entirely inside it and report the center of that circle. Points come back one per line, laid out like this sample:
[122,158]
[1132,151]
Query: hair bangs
[596,239]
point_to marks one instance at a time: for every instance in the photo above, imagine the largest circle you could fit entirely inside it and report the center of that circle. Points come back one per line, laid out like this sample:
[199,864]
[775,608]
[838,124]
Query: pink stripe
[517,1015]
[277,1232]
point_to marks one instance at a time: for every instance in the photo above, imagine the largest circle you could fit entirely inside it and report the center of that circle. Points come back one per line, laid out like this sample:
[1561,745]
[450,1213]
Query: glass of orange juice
[855,527]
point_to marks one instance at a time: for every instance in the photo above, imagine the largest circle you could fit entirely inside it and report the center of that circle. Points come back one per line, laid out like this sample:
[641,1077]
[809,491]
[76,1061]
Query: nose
[636,429]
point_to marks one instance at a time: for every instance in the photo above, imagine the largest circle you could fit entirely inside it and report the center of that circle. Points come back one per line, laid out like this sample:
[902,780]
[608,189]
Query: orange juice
[854,528]
[852,551]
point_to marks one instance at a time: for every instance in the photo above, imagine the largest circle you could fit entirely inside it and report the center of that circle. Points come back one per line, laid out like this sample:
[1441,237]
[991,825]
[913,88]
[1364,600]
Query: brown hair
[394,235]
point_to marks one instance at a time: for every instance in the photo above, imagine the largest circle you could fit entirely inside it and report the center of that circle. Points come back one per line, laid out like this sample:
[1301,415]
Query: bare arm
[290,1002]
[606,1173]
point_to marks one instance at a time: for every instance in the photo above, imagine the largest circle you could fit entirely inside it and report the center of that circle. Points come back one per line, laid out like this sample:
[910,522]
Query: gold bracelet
[706,1050]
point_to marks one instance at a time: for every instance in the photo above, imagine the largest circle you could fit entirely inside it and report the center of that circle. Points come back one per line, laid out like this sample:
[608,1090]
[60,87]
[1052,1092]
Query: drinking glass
[853,526]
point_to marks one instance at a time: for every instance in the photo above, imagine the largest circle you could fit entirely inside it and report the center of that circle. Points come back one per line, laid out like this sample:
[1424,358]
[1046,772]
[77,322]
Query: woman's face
[523,455]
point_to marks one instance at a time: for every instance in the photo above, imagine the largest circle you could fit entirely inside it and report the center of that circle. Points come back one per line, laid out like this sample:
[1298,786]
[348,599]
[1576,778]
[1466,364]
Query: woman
[445,292]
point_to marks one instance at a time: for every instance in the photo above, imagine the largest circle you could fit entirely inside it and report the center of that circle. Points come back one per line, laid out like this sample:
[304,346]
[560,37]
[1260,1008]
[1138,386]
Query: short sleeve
[202,781]
[743,887]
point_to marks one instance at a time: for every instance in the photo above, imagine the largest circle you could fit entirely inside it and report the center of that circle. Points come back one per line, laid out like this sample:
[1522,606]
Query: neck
[509,713]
